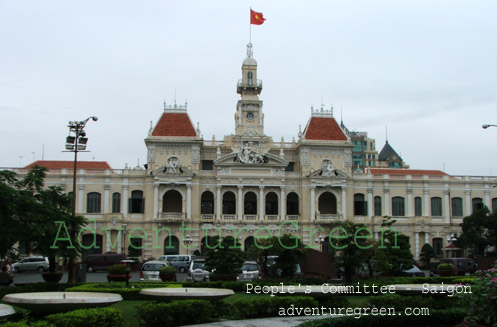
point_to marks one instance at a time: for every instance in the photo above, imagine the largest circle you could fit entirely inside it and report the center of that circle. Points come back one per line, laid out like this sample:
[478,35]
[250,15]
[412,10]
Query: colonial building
[249,183]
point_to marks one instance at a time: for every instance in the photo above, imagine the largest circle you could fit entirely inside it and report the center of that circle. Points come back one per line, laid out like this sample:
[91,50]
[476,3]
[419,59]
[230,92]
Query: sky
[426,71]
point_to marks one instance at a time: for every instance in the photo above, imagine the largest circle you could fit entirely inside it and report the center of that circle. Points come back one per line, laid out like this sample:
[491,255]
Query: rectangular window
[398,206]
[137,202]
[377,206]
[116,202]
[207,165]
[291,166]
[418,207]
[436,207]
[457,207]
[93,201]
[494,204]
[360,205]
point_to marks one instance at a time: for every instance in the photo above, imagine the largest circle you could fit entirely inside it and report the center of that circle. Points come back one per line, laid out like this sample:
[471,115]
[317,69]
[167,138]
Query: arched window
[250,204]
[398,206]
[327,204]
[477,204]
[360,208]
[249,241]
[494,204]
[171,245]
[377,206]
[436,207]
[437,246]
[457,207]
[229,203]
[207,203]
[172,201]
[250,78]
[292,204]
[418,207]
[271,204]
[93,200]
[116,202]
[137,202]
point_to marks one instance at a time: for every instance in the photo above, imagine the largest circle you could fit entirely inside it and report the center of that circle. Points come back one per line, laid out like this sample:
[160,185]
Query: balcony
[329,217]
[229,217]
[250,217]
[172,216]
[292,217]
[207,217]
[272,217]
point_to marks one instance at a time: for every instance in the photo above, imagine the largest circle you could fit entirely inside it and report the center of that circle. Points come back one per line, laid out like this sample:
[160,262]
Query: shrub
[445,266]
[27,324]
[167,270]
[131,293]
[37,287]
[117,269]
[177,313]
[401,302]
[102,317]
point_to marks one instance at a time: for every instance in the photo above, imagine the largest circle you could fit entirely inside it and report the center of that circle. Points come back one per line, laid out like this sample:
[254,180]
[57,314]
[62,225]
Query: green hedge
[101,317]
[436,318]
[37,287]
[131,293]
[177,313]
[27,324]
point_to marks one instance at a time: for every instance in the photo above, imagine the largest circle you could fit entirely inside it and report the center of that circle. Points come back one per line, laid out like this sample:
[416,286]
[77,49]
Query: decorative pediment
[328,170]
[172,167]
[266,160]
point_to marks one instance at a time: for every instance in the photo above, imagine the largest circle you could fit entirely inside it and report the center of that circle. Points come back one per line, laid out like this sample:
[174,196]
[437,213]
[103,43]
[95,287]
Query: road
[96,277]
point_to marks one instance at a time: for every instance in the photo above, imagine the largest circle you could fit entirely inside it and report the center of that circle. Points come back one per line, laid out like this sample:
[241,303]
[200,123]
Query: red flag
[256,18]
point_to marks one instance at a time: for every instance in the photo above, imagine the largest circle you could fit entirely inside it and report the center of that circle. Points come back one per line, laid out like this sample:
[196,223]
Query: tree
[9,221]
[393,253]
[427,253]
[350,252]
[261,251]
[224,256]
[292,250]
[479,231]
[40,215]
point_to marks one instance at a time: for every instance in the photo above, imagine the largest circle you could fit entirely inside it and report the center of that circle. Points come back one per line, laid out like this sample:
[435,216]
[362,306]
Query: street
[96,277]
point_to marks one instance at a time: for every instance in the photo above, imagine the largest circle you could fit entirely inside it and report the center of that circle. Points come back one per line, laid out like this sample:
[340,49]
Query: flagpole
[250,26]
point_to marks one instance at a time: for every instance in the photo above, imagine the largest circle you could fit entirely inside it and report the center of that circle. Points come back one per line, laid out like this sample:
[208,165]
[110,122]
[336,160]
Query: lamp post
[187,241]
[319,240]
[76,142]
[485,126]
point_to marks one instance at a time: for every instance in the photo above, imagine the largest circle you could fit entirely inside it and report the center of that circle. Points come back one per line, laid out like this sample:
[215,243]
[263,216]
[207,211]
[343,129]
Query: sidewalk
[266,322]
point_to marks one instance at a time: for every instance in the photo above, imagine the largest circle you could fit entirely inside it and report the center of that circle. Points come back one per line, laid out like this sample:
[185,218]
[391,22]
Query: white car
[150,270]
[197,271]
[31,263]
[250,272]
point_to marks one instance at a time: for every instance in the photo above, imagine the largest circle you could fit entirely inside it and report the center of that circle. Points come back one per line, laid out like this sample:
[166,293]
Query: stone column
[447,206]
[427,237]
[156,201]
[487,198]
[416,239]
[106,198]
[426,200]
[468,201]
[344,202]
[410,212]
[370,203]
[282,203]
[386,204]
[313,203]
[81,197]
[189,202]
[218,203]
[261,203]
[125,201]
[240,203]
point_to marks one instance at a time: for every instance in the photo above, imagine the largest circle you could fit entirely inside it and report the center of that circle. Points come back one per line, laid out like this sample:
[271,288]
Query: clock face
[250,116]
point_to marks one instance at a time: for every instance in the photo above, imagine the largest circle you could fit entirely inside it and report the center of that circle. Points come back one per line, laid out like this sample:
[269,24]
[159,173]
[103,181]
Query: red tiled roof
[56,164]
[389,171]
[323,128]
[174,124]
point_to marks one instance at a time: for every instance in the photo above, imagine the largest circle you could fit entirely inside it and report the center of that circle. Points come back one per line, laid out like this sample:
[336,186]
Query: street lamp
[485,126]
[187,241]
[319,240]
[76,142]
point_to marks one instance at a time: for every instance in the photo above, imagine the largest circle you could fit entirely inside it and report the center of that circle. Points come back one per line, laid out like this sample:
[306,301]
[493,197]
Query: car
[179,262]
[40,264]
[250,272]
[150,270]
[197,271]
[96,262]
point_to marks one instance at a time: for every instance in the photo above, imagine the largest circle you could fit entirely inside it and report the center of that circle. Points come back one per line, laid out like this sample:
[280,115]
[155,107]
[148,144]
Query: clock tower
[249,119]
